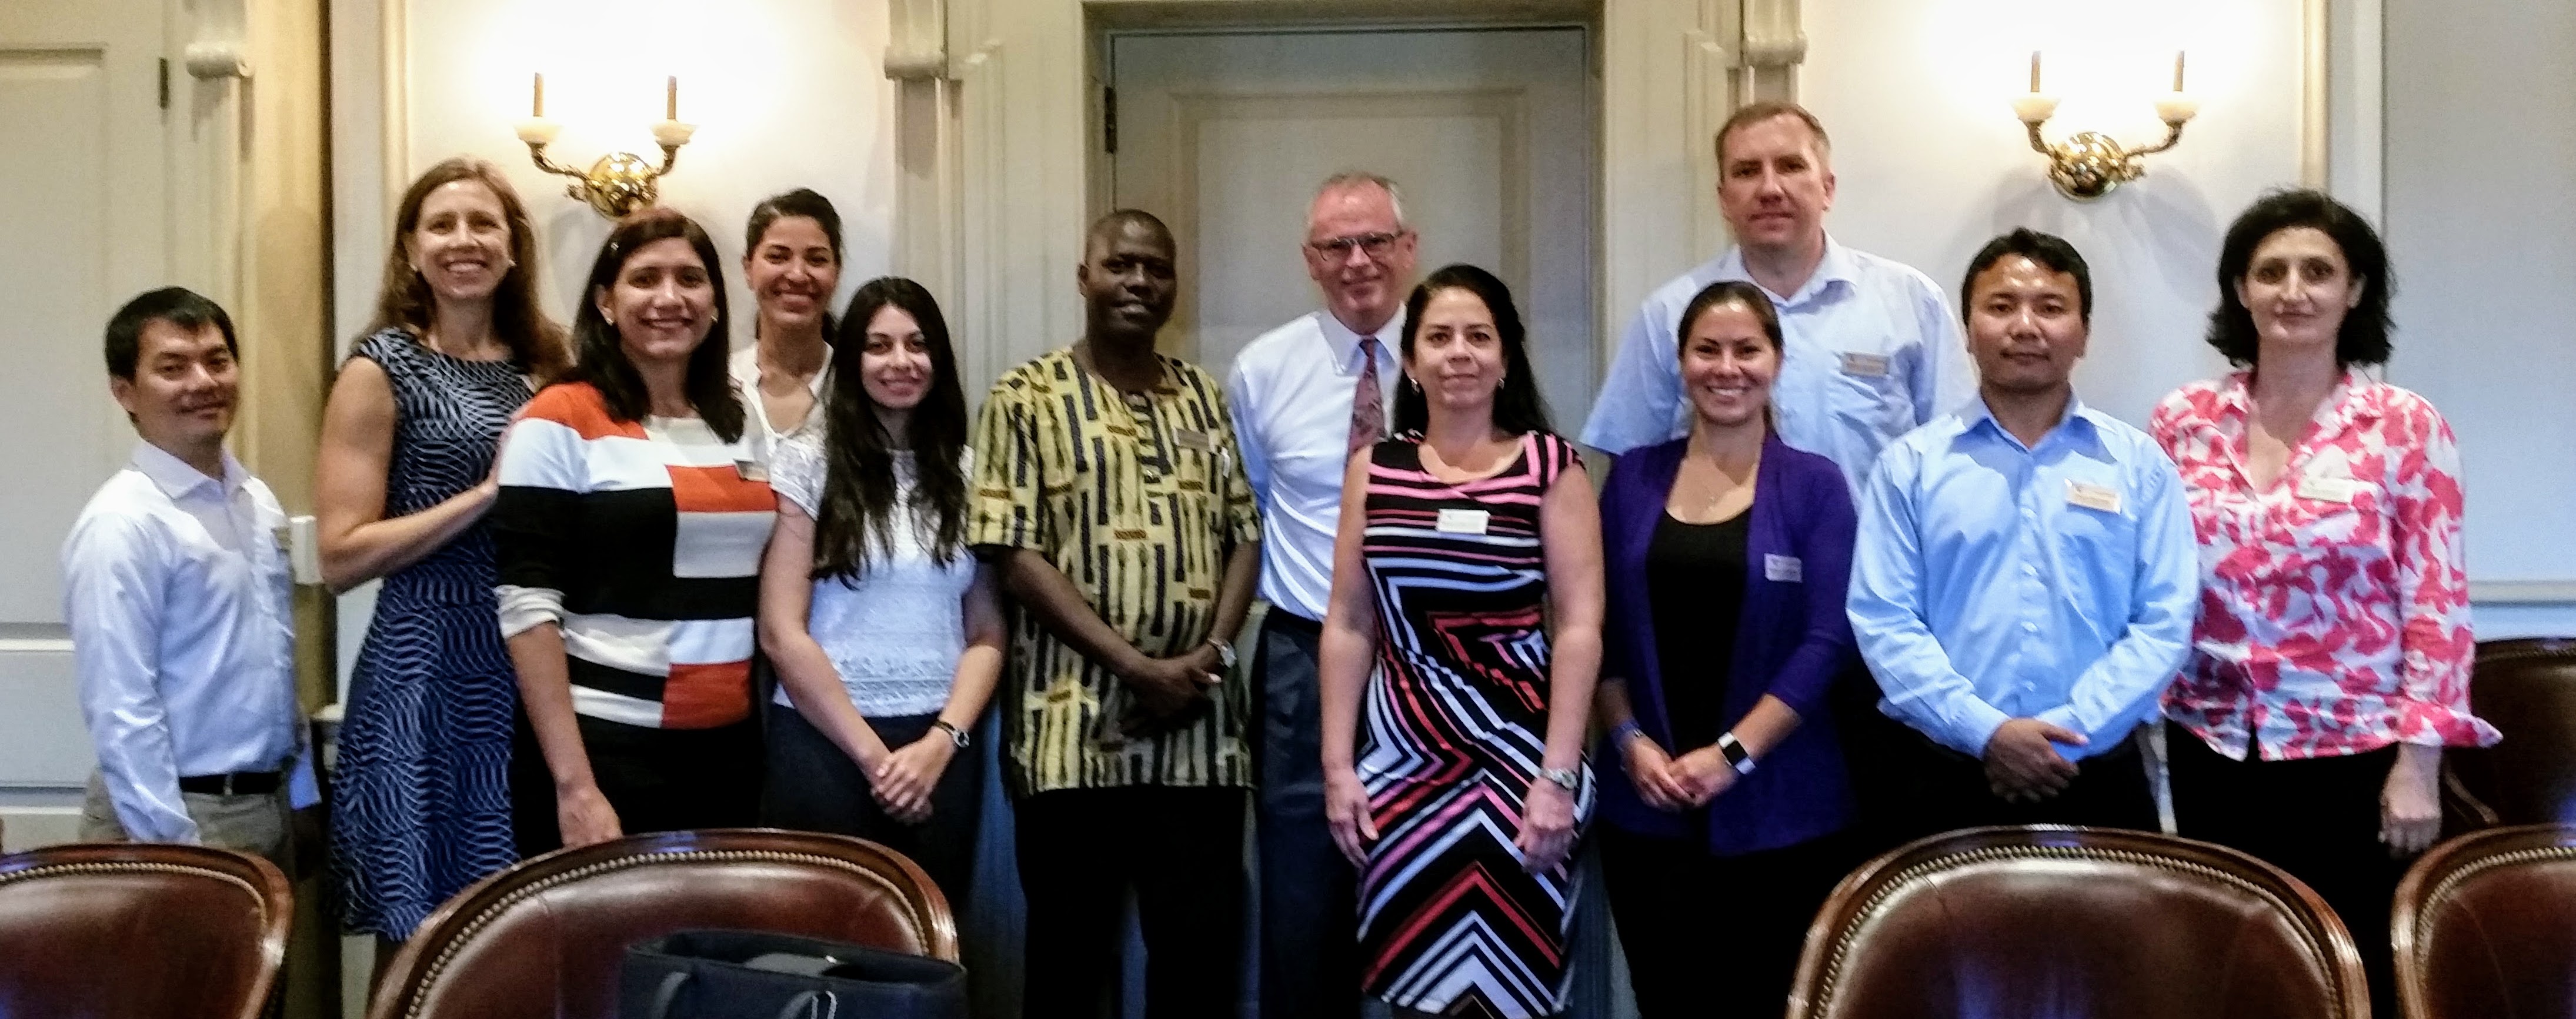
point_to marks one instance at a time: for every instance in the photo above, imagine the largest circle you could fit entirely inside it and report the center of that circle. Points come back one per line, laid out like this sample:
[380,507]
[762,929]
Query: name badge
[1786,569]
[1463,521]
[2327,489]
[1869,366]
[2092,497]
[751,470]
[1191,438]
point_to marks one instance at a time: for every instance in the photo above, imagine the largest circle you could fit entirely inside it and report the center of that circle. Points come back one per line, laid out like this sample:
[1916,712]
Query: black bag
[752,975]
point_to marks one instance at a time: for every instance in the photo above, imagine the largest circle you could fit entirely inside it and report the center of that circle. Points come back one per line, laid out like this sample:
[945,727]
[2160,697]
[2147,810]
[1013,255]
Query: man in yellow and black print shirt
[1109,494]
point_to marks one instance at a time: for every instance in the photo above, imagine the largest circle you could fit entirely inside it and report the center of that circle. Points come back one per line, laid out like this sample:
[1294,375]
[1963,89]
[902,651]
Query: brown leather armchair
[132,930]
[2527,689]
[2485,926]
[543,939]
[2041,922]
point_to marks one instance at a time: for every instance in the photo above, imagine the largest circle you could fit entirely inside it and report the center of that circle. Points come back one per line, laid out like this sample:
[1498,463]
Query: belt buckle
[227,788]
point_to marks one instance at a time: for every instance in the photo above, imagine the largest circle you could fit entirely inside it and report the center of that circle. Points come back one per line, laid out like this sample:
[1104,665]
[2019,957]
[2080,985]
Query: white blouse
[894,634]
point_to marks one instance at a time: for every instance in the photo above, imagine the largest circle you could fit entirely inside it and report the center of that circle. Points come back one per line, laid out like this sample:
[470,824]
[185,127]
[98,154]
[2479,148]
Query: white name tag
[751,470]
[1785,569]
[1463,521]
[1864,365]
[2326,489]
[2092,497]
[1191,438]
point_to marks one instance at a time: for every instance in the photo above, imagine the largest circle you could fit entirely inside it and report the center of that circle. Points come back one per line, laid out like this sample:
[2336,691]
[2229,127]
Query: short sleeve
[796,470]
[1009,470]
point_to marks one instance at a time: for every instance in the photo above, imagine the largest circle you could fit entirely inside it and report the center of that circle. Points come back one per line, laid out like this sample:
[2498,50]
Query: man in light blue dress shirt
[1304,396]
[2026,577]
[1870,350]
[177,596]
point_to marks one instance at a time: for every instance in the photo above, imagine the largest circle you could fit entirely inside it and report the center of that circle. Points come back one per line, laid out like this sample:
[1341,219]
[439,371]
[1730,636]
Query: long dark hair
[603,363]
[804,202]
[1517,407]
[2363,339]
[858,508]
[404,301]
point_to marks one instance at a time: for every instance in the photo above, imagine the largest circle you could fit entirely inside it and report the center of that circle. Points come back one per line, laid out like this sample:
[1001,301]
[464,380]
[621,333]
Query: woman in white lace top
[885,632]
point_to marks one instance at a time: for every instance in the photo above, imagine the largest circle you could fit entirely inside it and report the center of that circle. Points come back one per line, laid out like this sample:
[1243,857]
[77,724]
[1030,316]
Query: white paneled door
[84,214]
[1489,133]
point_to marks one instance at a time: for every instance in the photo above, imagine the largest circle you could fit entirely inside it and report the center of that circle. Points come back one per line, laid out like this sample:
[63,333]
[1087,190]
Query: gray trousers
[255,824]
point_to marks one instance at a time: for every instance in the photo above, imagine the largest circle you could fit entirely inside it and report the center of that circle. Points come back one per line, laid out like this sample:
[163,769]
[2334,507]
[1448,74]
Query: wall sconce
[620,182]
[2089,164]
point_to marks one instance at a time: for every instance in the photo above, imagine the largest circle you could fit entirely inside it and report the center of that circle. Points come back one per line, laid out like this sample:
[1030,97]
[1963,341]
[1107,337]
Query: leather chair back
[2485,926]
[2527,689]
[544,939]
[131,930]
[2045,922]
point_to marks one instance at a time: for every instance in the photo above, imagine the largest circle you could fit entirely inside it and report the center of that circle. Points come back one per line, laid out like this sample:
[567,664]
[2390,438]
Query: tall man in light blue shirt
[2026,577]
[1304,396]
[1870,348]
[177,593]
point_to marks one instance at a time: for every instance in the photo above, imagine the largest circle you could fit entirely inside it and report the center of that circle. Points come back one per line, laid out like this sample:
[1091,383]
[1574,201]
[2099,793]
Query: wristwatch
[1566,777]
[1224,652]
[955,735]
[1736,756]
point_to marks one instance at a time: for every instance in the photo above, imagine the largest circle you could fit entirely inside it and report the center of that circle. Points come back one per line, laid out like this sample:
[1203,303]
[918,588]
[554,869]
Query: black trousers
[2317,818]
[656,779]
[1940,789]
[1710,935]
[813,786]
[1180,850]
[1309,891]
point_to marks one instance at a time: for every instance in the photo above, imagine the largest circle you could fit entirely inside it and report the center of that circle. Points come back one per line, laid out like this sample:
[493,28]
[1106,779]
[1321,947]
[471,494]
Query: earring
[1414,382]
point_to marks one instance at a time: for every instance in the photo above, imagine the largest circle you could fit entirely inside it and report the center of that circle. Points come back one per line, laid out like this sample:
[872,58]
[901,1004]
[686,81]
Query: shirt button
[2030,627]
[2031,570]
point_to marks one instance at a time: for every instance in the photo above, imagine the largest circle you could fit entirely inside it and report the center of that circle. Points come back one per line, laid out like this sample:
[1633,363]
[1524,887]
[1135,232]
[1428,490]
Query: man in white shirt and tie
[177,595]
[1305,396]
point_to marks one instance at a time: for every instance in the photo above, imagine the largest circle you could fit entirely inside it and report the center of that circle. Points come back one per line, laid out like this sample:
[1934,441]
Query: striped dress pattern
[642,539]
[1455,723]
[421,793]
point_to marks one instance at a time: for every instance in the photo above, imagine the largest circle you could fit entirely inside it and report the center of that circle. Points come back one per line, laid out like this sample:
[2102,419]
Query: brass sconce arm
[2089,164]
[620,182]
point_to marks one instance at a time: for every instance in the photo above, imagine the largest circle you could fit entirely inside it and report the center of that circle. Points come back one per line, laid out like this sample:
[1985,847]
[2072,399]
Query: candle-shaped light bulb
[671,98]
[2178,54]
[537,96]
[2034,72]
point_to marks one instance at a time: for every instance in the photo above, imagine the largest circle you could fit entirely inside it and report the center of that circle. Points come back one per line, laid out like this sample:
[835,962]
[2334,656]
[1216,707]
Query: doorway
[1488,132]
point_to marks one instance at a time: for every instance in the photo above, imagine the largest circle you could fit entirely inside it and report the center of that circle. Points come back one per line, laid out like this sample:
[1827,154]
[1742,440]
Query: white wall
[1931,164]
[785,93]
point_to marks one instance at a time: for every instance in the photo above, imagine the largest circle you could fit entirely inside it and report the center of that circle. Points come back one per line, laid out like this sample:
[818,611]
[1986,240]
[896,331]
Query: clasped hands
[1169,692]
[2022,762]
[1673,783]
[1545,839]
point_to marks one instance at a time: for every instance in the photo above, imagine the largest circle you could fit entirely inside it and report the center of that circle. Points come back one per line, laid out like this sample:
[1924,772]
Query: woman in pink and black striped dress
[1467,604]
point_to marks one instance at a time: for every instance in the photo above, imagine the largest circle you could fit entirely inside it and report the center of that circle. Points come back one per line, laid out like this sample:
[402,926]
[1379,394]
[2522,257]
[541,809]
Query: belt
[1286,620]
[239,783]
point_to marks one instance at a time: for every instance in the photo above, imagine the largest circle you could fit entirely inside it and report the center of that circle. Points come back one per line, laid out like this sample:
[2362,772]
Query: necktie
[1368,405]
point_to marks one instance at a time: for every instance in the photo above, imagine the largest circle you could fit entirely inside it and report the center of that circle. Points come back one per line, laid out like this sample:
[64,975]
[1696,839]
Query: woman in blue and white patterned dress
[421,787]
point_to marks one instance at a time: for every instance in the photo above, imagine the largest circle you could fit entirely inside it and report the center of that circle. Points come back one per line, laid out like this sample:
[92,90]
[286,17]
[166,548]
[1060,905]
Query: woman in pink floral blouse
[2331,662]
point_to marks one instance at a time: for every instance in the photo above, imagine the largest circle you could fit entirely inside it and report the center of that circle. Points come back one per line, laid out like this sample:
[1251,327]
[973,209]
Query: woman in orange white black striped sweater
[629,530]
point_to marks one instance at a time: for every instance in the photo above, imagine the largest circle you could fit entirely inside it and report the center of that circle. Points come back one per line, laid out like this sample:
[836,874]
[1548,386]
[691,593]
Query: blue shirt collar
[1836,268]
[1345,341]
[2085,421]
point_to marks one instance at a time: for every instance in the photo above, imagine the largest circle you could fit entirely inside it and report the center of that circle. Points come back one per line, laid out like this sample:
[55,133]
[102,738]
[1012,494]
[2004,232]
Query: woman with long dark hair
[630,526]
[1467,572]
[421,798]
[885,630]
[2312,735]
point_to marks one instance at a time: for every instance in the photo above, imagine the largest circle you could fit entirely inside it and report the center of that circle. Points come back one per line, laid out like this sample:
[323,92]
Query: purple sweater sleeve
[1821,534]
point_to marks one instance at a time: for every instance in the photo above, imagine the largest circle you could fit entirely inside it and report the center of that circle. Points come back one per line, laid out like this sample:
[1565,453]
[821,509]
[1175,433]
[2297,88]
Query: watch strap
[955,735]
[1736,756]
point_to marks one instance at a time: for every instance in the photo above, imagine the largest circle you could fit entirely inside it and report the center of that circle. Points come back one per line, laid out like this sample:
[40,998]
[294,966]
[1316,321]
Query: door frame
[999,110]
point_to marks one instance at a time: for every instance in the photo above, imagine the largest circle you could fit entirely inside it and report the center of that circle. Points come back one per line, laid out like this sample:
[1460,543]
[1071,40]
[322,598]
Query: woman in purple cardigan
[1728,554]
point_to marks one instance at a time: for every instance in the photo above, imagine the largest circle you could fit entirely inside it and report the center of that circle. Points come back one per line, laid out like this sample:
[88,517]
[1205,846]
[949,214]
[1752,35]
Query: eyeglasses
[1375,245]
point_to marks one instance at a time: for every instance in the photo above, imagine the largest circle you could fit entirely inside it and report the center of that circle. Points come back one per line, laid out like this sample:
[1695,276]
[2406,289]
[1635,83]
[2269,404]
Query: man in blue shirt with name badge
[2026,577]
